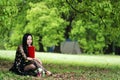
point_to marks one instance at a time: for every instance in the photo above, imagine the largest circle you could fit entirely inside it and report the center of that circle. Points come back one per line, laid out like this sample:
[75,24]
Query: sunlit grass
[103,61]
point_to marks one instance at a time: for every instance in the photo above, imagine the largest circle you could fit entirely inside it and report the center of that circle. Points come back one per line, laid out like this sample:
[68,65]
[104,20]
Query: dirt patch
[5,65]
[66,76]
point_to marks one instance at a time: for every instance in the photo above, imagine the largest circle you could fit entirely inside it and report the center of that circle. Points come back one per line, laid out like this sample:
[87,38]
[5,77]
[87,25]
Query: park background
[95,25]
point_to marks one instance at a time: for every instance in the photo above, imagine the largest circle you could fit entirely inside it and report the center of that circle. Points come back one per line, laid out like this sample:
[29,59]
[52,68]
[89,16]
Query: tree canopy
[94,24]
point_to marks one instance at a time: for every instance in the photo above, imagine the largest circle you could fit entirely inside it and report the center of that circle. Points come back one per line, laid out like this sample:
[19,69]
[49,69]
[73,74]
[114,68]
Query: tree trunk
[57,49]
[67,30]
[69,26]
[41,49]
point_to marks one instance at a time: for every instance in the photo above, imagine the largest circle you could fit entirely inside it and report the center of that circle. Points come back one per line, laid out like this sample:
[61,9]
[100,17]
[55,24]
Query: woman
[24,65]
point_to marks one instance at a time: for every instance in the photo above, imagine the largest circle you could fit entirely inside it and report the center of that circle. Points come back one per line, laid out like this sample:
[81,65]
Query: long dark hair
[24,42]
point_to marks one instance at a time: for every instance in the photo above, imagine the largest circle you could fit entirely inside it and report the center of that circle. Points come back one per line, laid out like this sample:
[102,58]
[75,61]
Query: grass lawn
[67,66]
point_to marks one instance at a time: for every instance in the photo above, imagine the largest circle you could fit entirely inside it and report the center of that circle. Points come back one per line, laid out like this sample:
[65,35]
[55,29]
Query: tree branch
[85,11]
[78,10]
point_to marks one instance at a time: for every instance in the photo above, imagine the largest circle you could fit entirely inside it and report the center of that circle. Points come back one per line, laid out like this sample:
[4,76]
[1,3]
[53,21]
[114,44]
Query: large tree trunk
[69,26]
[57,49]
[41,49]
[112,49]
[67,31]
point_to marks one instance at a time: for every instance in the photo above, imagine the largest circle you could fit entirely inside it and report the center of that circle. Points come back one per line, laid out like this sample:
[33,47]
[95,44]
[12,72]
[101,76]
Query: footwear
[38,74]
[39,71]
[48,73]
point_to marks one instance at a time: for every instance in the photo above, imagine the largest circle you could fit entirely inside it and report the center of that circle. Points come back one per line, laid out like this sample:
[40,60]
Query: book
[31,51]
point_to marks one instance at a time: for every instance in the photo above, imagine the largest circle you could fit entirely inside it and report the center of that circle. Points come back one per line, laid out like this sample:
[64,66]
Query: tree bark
[67,30]
[69,26]
[57,49]
[41,49]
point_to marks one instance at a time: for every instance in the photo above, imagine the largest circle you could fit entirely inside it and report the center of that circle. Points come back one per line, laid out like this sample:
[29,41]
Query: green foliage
[45,22]
[90,37]
[93,27]
[8,10]
[95,24]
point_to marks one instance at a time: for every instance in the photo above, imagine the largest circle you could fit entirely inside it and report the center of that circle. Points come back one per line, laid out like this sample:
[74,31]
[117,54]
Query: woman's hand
[29,58]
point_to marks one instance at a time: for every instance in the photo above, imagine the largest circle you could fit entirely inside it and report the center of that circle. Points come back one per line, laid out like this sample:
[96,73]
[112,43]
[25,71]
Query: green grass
[67,66]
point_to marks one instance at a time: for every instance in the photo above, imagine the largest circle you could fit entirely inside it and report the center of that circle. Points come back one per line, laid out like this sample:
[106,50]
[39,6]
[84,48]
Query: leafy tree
[19,23]
[99,25]
[95,25]
[8,10]
[45,24]
[112,32]
[89,25]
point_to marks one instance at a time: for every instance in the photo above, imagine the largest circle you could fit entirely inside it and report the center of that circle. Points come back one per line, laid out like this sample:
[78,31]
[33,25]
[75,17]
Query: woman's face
[29,40]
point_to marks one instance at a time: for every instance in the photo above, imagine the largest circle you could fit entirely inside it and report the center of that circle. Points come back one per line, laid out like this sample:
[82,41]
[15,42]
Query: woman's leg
[40,66]
[29,67]
[38,60]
